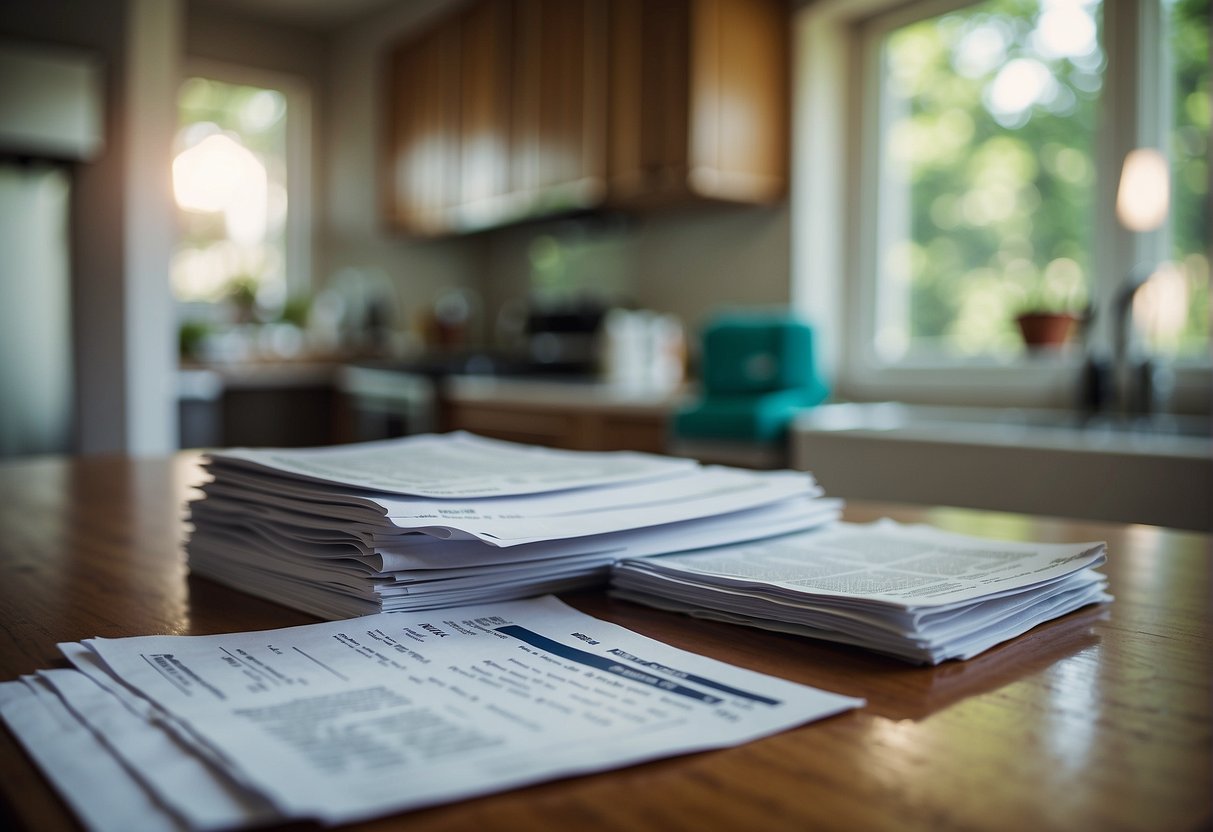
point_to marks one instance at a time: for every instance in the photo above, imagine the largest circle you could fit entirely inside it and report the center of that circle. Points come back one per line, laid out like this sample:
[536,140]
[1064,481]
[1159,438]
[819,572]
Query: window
[958,163]
[985,174]
[1181,329]
[239,179]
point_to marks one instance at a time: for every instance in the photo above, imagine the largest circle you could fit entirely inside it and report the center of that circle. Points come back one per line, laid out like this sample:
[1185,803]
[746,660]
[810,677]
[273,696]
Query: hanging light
[1144,195]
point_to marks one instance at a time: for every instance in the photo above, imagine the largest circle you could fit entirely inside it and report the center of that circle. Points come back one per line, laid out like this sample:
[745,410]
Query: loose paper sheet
[904,566]
[103,794]
[915,592]
[351,719]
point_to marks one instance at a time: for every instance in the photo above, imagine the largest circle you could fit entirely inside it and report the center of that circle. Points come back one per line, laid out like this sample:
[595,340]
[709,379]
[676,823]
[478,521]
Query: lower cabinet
[574,429]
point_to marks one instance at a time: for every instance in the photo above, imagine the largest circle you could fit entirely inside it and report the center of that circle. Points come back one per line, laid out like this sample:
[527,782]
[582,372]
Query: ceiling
[309,14]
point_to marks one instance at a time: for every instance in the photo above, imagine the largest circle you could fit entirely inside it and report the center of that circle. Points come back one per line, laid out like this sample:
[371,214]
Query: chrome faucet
[1138,382]
[1131,386]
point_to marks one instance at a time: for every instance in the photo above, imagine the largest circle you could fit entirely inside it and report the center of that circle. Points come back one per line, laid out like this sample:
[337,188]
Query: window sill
[1043,462]
[1051,381]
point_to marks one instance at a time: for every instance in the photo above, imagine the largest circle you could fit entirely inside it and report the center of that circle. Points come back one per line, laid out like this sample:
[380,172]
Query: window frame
[299,235]
[836,101]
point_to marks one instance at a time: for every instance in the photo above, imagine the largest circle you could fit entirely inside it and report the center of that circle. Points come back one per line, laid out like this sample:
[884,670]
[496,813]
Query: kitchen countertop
[573,395]
[238,375]
[464,379]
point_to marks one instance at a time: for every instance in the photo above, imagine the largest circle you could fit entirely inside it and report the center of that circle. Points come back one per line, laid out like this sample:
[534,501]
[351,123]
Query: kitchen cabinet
[498,114]
[516,109]
[257,404]
[583,431]
[699,101]
[424,141]
[484,100]
[558,133]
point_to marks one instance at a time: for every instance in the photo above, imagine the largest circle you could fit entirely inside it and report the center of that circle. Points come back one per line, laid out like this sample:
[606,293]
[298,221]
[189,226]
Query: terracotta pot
[1045,329]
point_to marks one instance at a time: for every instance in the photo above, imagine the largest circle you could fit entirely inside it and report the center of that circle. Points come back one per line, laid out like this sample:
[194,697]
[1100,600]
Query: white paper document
[521,520]
[913,591]
[105,796]
[457,465]
[352,719]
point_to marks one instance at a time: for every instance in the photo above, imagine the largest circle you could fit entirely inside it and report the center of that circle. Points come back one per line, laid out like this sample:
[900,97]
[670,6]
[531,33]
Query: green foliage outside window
[233,198]
[1189,44]
[991,115]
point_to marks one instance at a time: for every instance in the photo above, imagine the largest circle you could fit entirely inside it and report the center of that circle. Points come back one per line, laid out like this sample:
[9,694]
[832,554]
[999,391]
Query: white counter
[565,395]
[1032,461]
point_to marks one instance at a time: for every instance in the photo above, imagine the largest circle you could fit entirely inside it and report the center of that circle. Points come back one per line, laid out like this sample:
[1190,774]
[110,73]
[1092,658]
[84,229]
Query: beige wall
[700,260]
[216,32]
[690,261]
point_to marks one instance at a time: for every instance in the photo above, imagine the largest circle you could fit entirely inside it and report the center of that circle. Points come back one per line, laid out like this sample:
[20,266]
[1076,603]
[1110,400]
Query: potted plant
[1045,329]
[1052,305]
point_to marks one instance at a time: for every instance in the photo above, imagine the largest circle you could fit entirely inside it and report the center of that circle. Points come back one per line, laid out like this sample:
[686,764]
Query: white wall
[153,53]
[124,349]
[36,390]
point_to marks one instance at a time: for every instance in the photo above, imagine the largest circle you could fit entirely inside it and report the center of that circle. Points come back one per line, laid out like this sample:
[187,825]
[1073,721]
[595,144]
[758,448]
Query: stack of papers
[914,592]
[442,520]
[342,721]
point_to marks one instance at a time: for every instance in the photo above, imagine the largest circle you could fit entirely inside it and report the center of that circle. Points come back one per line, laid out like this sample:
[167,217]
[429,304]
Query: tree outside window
[987,176]
[230,184]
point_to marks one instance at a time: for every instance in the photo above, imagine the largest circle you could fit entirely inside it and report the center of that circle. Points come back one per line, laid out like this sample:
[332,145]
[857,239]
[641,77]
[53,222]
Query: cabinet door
[699,101]
[649,63]
[425,132]
[485,32]
[739,99]
[557,427]
[559,109]
[514,423]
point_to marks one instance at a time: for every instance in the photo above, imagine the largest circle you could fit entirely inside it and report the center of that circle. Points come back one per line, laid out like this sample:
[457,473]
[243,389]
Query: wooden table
[1100,720]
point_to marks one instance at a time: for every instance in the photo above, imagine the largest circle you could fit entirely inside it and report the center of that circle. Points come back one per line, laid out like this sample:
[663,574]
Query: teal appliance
[758,371]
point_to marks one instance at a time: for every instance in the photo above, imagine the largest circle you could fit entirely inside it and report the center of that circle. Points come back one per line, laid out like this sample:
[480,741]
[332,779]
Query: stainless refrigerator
[51,120]
[36,382]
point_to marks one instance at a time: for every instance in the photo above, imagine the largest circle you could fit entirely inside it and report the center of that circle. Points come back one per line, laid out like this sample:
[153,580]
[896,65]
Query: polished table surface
[1100,720]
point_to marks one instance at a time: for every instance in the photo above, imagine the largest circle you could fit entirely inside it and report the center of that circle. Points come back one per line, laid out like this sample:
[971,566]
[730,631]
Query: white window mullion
[1134,114]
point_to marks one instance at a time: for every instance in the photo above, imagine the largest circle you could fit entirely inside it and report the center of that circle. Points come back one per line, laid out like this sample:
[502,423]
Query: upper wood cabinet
[559,127]
[485,62]
[699,101]
[514,109]
[424,147]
